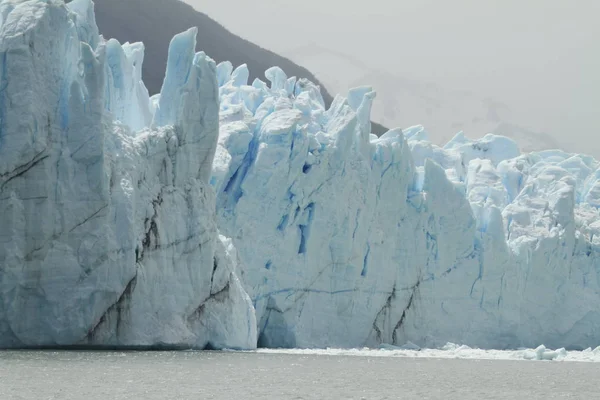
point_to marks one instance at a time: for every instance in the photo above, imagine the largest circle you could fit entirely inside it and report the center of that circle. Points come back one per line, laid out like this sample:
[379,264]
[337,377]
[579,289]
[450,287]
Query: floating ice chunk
[541,353]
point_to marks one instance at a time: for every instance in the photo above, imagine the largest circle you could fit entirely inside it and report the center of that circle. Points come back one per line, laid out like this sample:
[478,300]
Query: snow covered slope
[108,233]
[349,240]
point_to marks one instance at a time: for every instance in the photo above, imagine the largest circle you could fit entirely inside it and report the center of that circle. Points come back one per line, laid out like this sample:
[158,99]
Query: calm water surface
[228,375]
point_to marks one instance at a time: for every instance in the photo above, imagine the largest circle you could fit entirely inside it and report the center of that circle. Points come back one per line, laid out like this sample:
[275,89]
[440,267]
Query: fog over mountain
[524,69]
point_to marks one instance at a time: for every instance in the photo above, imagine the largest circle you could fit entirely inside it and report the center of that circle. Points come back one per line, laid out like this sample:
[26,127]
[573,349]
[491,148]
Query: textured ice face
[352,240]
[109,234]
[338,238]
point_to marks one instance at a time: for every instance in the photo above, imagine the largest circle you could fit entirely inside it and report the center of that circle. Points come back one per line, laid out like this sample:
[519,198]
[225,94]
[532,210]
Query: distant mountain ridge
[155,22]
[404,102]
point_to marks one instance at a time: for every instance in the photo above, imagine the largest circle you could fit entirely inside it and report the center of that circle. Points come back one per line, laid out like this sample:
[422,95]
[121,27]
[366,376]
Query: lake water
[291,375]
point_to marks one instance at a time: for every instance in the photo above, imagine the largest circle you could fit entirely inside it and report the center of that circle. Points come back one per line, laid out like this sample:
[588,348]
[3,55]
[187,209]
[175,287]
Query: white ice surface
[350,240]
[338,238]
[453,351]
[109,235]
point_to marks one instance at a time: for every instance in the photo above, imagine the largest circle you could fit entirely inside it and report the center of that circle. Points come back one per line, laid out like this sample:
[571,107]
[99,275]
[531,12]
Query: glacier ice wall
[331,236]
[109,232]
[350,240]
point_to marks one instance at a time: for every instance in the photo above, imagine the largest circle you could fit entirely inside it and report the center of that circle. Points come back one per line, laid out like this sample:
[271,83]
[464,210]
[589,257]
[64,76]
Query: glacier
[350,240]
[222,213]
[109,234]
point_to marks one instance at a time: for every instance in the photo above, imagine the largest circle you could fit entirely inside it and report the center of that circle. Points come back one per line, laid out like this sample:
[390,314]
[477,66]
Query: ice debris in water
[453,351]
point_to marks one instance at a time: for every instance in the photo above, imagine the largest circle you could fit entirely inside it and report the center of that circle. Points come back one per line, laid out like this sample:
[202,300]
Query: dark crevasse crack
[139,253]
[212,276]
[89,218]
[151,231]
[318,188]
[500,296]
[233,187]
[297,213]
[89,268]
[283,223]
[81,146]
[384,310]
[448,271]
[164,246]
[230,183]
[219,297]
[293,291]
[112,183]
[480,255]
[406,309]
[303,238]
[301,292]
[187,239]
[366,261]
[432,247]
[305,228]
[383,173]
[387,168]
[116,310]
[29,198]
[23,169]
[30,254]
[358,211]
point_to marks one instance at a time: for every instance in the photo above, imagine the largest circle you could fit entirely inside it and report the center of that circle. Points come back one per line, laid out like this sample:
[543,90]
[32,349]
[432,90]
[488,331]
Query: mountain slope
[155,22]
[405,102]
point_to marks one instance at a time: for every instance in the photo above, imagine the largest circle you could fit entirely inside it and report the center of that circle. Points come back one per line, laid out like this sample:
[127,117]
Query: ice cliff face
[110,237]
[109,234]
[350,240]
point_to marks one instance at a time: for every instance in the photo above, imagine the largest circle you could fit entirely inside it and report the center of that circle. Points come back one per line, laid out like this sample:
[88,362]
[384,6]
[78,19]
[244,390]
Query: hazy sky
[541,57]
